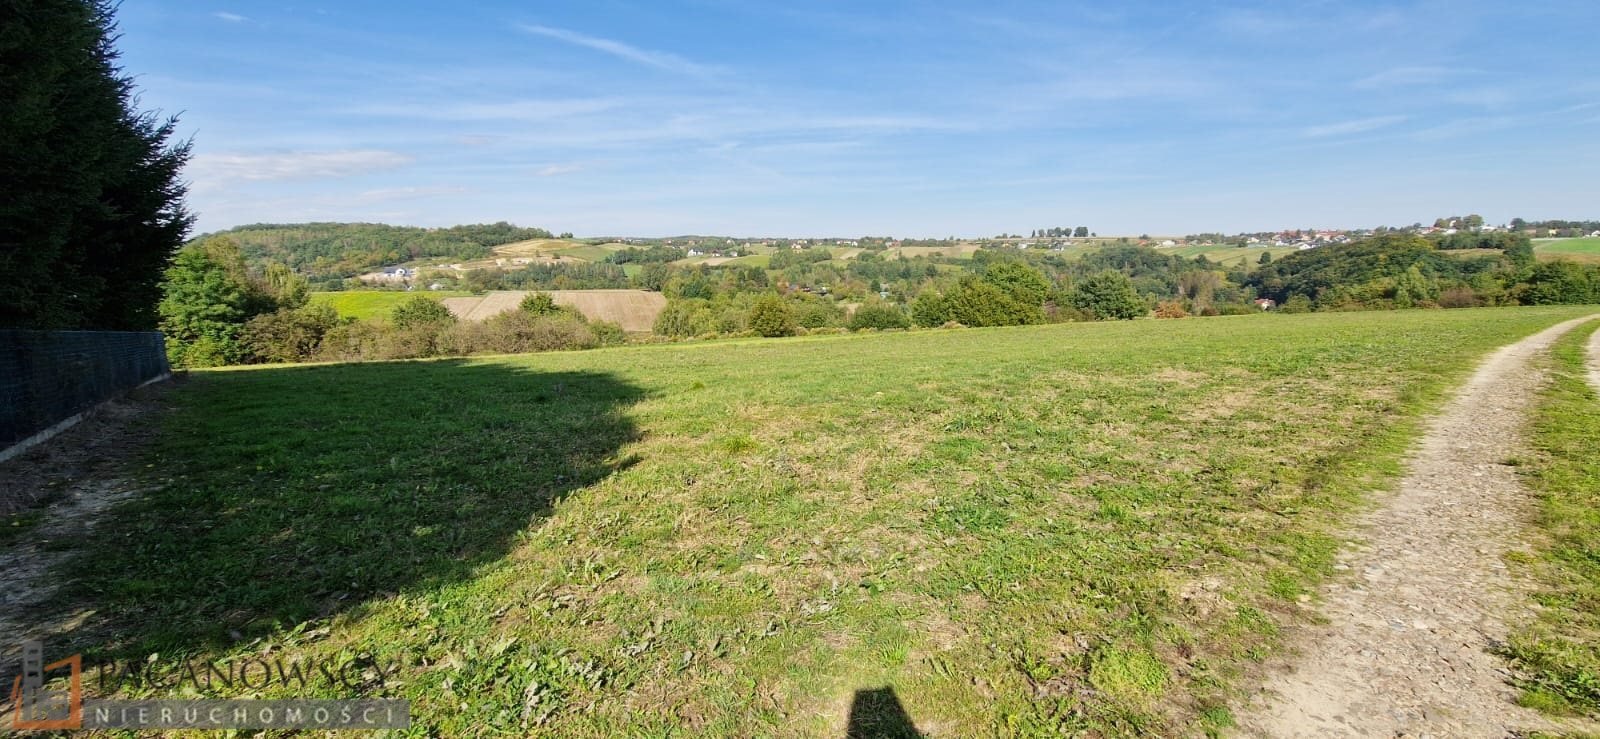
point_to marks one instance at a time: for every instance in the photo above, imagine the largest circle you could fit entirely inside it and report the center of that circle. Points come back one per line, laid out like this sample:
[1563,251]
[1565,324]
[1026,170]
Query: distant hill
[1375,267]
[336,250]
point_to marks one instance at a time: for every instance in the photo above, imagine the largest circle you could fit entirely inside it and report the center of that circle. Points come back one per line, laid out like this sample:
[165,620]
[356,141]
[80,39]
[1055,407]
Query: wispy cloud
[229,17]
[391,194]
[299,165]
[658,59]
[1347,128]
[1257,23]
[1407,77]
[553,170]
[509,110]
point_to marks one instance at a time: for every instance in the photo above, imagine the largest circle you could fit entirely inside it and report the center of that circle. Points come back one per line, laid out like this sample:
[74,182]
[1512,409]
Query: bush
[358,341]
[1460,297]
[608,333]
[819,314]
[1296,304]
[770,316]
[878,317]
[1109,295]
[538,304]
[1018,281]
[1172,309]
[287,335]
[421,310]
[680,319]
[979,303]
[930,310]
[518,332]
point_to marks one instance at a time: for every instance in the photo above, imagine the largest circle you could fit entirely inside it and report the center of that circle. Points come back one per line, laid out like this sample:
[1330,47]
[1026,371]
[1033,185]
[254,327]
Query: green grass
[1559,655]
[752,260]
[1227,255]
[1582,249]
[589,252]
[375,303]
[1093,528]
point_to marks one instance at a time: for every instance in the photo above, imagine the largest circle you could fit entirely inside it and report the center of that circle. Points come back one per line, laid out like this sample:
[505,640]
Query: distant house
[1266,303]
[1169,242]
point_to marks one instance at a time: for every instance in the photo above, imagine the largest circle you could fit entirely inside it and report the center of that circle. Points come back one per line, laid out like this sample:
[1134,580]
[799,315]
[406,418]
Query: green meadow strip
[1558,656]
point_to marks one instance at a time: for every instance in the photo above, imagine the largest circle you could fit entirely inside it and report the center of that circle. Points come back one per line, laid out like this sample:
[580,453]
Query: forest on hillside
[329,252]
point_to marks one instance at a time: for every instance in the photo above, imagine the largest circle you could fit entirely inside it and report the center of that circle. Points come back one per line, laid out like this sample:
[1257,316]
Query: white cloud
[229,17]
[390,194]
[1346,128]
[658,59]
[511,110]
[298,165]
[553,170]
[1406,77]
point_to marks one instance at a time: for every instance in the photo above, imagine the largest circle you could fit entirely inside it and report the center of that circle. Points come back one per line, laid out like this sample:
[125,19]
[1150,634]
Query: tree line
[327,253]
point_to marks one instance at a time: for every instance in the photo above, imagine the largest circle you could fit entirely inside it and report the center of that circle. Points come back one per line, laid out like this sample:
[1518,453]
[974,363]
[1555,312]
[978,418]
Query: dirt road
[1405,651]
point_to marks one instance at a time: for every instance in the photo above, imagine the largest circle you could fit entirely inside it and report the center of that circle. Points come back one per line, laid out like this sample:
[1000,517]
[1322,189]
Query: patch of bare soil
[1594,360]
[61,487]
[1406,650]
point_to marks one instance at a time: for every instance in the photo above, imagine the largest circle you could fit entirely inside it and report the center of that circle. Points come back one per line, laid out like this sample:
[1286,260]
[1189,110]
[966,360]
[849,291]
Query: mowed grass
[1559,655]
[1230,256]
[1087,527]
[376,303]
[1582,249]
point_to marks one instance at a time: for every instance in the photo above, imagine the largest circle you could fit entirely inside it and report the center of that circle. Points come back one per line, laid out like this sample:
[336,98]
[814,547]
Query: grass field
[1560,654]
[1230,256]
[375,303]
[1085,527]
[959,251]
[587,253]
[1584,249]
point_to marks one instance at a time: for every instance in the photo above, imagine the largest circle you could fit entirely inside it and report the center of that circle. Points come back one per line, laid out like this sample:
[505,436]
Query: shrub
[421,310]
[929,309]
[538,304]
[608,333]
[980,303]
[518,332]
[819,314]
[878,317]
[681,319]
[1460,297]
[1109,295]
[375,340]
[1172,309]
[287,335]
[770,316]
[1018,281]
[1296,304]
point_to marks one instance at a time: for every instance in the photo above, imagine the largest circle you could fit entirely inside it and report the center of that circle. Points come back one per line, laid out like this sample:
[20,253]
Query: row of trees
[1061,232]
[332,251]
[646,255]
[217,311]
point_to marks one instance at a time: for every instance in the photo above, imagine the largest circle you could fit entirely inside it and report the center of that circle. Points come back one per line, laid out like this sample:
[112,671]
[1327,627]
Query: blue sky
[908,119]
